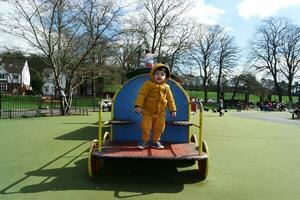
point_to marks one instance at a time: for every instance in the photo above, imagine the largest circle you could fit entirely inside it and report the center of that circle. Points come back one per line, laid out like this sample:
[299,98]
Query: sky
[239,17]
[242,17]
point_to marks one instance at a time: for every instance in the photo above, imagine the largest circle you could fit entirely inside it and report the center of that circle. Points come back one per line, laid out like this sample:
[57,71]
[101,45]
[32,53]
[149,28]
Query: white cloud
[127,3]
[130,12]
[14,43]
[5,8]
[262,9]
[204,13]
[8,41]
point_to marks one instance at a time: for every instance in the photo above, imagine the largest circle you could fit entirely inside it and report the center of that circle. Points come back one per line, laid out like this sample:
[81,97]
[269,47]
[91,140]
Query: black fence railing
[91,103]
[15,106]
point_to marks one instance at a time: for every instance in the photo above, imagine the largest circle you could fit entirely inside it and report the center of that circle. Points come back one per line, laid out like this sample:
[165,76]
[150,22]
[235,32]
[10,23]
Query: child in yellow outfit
[151,102]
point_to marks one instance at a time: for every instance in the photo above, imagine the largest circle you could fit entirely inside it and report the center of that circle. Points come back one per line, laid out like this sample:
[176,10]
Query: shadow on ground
[120,176]
[140,180]
[87,133]
[95,123]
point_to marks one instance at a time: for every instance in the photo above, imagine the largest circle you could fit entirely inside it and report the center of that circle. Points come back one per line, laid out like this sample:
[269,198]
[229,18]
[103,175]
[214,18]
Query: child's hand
[138,110]
[173,114]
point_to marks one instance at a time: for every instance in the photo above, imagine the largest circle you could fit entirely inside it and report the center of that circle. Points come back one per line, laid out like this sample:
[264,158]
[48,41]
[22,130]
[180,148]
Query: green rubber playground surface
[253,156]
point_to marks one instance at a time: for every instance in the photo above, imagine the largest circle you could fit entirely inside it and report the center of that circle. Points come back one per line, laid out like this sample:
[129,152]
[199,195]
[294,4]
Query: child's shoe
[142,145]
[157,145]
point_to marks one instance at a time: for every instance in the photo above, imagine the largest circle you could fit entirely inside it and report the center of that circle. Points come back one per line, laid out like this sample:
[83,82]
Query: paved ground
[276,117]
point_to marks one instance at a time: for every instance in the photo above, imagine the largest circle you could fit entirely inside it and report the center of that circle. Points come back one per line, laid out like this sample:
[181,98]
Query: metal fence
[16,106]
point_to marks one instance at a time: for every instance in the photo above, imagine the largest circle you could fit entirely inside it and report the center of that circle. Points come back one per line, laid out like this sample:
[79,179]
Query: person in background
[239,107]
[221,104]
[148,59]
[62,96]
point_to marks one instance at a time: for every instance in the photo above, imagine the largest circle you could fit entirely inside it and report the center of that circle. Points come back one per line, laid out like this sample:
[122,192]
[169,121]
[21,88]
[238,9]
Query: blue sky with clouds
[241,17]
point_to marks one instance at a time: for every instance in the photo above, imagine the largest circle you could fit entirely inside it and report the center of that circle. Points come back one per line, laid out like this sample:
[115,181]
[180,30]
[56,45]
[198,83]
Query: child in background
[148,59]
[221,105]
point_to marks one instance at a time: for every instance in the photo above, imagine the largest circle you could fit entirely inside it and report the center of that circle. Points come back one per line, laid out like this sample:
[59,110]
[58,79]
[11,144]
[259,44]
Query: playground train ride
[125,130]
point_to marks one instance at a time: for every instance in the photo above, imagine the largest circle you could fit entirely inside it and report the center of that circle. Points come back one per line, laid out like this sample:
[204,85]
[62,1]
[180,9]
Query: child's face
[159,76]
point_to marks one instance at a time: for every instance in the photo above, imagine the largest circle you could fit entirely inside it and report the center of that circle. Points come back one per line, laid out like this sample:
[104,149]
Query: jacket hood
[157,66]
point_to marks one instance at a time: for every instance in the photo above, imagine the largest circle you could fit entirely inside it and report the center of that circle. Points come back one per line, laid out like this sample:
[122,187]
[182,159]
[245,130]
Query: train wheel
[106,137]
[93,161]
[194,139]
[204,163]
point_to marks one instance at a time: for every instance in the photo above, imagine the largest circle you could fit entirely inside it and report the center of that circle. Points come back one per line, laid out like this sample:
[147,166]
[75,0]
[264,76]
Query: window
[16,76]
[3,86]
[2,76]
[89,91]
[46,88]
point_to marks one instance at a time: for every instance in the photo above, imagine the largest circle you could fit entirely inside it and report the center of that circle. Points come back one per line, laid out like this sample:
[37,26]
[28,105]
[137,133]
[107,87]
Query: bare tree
[246,82]
[160,17]
[175,50]
[65,31]
[95,65]
[226,59]
[265,48]
[290,51]
[268,88]
[129,50]
[203,52]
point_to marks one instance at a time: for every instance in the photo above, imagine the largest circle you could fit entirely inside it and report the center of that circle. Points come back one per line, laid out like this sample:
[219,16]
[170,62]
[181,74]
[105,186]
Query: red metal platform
[183,151]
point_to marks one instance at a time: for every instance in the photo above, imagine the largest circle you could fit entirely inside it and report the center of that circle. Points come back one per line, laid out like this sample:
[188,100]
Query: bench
[49,99]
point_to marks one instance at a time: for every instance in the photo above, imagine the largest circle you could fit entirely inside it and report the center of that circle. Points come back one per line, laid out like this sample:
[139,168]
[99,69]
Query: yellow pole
[200,127]
[100,128]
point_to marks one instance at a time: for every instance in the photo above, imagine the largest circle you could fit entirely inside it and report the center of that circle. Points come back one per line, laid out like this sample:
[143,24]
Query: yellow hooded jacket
[154,97]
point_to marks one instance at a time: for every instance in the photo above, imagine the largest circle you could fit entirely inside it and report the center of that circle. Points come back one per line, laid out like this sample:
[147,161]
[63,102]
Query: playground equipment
[125,132]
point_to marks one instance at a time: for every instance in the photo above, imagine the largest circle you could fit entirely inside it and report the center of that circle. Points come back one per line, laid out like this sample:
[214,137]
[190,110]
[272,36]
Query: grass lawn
[46,158]
[239,96]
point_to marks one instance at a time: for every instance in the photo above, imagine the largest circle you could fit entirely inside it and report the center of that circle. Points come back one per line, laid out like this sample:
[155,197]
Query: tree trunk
[290,92]
[261,98]
[205,94]
[247,97]
[205,90]
[62,106]
[233,95]
[278,91]
[219,90]
[235,89]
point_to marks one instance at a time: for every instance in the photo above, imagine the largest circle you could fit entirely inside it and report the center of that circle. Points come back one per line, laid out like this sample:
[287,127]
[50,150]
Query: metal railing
[17,106]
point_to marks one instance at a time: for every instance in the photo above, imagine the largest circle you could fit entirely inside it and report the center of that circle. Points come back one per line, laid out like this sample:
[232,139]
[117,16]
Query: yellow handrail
[100,127]
[200,128]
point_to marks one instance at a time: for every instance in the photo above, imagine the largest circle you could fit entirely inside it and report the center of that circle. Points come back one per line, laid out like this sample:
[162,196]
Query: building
[15,79]
[49,82]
